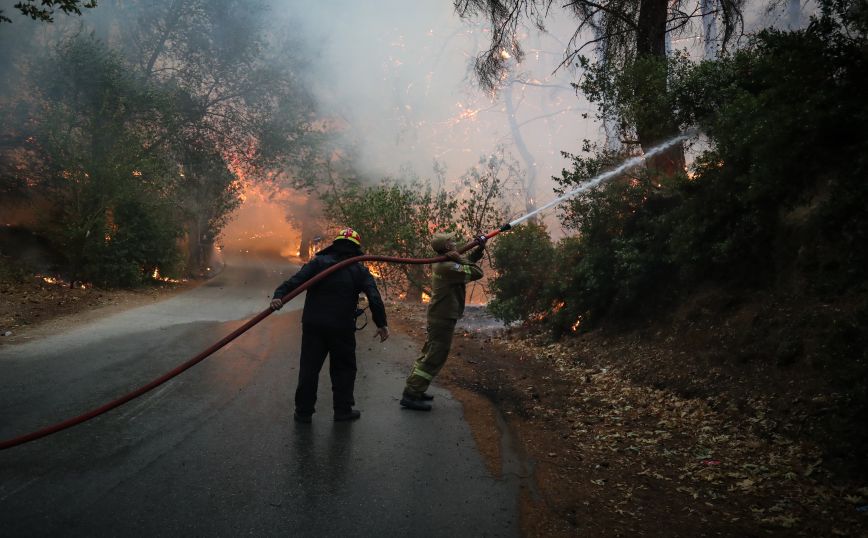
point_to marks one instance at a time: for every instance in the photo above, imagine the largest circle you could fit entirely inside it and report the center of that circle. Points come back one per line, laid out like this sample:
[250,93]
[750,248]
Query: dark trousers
[340,346]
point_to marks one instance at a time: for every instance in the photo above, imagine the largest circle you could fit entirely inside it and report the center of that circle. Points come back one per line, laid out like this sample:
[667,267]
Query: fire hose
[93,413]
[593,182]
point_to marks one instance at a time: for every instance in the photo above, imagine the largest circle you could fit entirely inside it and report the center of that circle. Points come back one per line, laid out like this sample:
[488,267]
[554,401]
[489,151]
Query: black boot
[414,403]
[426,397]
[350,414]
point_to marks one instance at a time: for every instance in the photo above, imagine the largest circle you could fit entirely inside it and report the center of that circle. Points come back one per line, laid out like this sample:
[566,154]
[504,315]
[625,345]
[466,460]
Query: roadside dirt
[38,305]
[613,445]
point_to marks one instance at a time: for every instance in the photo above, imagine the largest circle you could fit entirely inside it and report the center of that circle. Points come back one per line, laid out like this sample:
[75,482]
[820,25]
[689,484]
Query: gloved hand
[454,256]
[481,240]
[276,304]
[383,333]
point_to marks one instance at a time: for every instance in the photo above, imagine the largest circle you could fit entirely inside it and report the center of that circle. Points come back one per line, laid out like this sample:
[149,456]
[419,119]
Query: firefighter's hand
[383,333]
[480,241]
[276,304]
[454,256]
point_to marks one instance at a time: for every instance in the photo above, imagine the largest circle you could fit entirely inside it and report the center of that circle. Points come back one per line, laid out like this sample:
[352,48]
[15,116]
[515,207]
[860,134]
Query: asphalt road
[215,452]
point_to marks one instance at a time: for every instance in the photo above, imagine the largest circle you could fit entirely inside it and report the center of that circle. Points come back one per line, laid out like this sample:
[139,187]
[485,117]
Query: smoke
[260,225]
[398,75]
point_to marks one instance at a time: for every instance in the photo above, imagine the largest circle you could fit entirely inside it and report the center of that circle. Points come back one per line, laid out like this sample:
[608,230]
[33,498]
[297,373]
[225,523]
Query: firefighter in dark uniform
[329,324]
[448,288]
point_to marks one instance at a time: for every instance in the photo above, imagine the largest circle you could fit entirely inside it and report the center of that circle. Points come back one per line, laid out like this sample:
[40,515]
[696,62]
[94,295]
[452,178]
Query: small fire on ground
[58,282]
[156,276]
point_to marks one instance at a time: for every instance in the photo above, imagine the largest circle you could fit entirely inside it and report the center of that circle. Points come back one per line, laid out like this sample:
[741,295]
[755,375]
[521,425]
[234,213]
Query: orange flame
[156,276]
[576,325]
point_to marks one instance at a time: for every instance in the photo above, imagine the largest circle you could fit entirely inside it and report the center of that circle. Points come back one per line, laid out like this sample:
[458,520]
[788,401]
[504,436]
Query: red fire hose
[68,423]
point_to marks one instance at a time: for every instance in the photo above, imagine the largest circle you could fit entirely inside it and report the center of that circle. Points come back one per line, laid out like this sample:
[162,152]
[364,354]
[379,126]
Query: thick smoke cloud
[398,74]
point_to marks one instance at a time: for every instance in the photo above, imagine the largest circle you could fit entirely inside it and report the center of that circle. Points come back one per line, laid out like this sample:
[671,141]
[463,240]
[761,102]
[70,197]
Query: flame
[465,114]
[576,325]
[156,276]
[505,55]
[59,282]
[558,306]
[426,298]
[376,269]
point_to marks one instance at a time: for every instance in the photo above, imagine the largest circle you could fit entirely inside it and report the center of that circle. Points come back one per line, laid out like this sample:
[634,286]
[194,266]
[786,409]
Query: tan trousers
[433,357]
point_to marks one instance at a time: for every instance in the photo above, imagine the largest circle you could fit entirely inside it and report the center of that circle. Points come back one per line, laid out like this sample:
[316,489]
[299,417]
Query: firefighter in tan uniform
[448,283]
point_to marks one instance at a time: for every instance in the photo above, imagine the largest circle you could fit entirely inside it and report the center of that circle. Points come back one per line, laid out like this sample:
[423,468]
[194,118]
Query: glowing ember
[156,276]
[558,306]
[576,325]
[51,280]
[426,298]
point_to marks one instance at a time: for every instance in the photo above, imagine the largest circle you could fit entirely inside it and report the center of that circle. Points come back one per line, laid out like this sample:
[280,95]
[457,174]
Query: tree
[632,32]
[110,185]
[45,11]
[239,96]
[399,218]
[775,202]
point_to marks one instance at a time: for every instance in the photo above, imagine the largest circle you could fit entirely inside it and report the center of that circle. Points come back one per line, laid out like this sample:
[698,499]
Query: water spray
[596,180]
[93,413]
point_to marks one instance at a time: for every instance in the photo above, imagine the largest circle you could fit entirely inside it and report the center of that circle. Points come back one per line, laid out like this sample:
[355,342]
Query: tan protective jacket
[449,286]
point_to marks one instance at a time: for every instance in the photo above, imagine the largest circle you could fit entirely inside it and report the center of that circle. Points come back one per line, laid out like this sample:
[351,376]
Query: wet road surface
[214,452]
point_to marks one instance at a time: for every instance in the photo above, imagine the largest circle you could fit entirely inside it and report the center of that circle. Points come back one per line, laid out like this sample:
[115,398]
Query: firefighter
[329,324]
[448,286]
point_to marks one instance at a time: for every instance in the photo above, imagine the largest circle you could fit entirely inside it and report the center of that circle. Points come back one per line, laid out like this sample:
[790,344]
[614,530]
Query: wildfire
[576,325]
[156,276]
[58,282]
[466,114]
[376,269]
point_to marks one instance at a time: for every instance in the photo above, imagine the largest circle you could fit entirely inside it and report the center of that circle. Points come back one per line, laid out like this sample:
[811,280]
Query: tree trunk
[651,42]
[526,156]
[709,28]
[309,231]
[415,280]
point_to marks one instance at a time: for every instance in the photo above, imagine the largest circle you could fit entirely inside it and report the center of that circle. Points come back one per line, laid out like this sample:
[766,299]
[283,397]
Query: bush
[522,261]
[778,198]
[139,238]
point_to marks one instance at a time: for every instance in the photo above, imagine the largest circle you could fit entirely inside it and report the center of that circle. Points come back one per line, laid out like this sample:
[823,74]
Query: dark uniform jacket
[449,286]
[331,303]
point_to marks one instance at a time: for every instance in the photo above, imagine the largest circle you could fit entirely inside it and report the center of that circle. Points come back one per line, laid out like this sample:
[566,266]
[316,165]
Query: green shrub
[522,261]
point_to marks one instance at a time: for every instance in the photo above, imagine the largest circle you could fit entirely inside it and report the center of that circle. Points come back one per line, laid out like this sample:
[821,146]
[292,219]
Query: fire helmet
[438,242]
[350,235]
